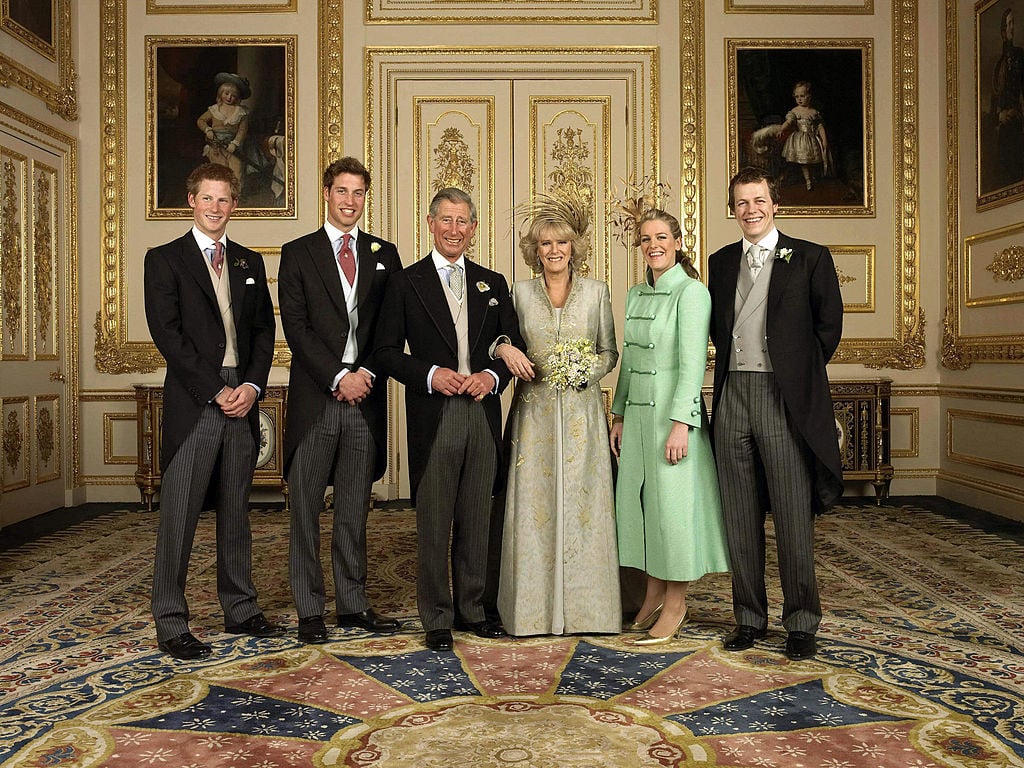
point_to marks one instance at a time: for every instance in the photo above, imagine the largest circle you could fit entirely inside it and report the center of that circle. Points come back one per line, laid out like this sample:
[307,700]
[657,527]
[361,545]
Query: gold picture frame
[253,137]
[54,80]
[851,7]
[1000,118]
[215,6]
[822,152]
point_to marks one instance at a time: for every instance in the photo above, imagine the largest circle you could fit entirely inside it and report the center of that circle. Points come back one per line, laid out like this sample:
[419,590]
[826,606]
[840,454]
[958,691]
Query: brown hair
[656,214]
[752,175]
[345,165]
[213,172]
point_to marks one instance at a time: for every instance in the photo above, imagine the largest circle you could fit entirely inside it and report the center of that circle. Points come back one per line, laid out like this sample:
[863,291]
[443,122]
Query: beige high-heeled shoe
[650,639]
[648,621]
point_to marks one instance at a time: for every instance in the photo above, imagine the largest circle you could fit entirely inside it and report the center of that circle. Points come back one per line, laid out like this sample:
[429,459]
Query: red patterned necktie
[218,257]
[346,259]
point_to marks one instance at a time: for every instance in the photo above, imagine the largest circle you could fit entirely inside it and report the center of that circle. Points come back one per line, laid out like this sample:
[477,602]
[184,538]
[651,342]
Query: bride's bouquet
[570,363]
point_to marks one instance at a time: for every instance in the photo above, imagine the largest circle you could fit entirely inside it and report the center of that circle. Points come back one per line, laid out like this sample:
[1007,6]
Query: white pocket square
[492,303]
[380,267]
[250,281]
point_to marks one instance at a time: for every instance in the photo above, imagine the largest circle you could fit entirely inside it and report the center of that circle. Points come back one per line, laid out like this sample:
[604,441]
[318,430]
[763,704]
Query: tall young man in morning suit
[332,285]
[211,317]
[449,309]
[776,320]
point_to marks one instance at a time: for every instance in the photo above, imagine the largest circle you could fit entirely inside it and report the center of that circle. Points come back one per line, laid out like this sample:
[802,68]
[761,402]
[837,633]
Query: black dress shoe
[257,626]
[312,630]
[185,647]
[743,637]
[369,620]
[800,646]
[439,639]
[488,629]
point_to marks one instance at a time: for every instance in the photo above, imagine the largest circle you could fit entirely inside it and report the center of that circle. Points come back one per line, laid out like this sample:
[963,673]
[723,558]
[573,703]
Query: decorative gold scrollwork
[454,165]
[44,435]
[10,238]
[1008,264]
[13,440]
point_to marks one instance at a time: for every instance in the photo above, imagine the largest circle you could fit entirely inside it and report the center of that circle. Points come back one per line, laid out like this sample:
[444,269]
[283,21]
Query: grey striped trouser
[763,463]
[454,500]
[183,489]
[338,450]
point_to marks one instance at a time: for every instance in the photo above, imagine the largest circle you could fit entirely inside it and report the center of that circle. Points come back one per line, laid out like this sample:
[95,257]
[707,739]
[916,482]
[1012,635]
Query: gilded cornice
[61,97]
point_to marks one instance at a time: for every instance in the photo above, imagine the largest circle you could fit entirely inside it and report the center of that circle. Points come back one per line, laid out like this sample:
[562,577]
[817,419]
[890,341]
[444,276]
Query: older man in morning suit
[212,319]
[449,310]
[776,320]
[332,284]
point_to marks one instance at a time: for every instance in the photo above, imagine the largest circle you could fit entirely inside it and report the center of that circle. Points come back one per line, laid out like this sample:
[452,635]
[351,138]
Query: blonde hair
[559,230]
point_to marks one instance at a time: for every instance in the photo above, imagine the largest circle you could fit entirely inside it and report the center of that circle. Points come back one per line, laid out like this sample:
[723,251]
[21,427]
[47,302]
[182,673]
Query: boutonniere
[374,247]
[240,263]
[492,303]
[786,254]
[482,286]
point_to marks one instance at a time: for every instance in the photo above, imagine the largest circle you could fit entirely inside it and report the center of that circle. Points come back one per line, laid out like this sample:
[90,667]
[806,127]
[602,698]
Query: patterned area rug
[919,665]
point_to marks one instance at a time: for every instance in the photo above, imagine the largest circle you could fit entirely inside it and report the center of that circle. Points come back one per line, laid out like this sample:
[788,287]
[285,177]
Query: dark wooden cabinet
[861,408]
[149,404]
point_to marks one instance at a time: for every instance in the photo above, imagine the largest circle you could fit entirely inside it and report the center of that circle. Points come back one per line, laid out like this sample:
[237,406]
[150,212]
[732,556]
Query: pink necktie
[346,259]
[218,257]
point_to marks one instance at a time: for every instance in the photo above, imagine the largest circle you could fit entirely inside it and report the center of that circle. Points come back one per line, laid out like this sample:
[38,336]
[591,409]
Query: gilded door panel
[502,141]
[32,388]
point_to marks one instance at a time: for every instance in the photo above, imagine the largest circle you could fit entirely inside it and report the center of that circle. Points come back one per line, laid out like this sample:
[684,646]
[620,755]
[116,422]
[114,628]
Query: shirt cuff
[497,381]
[430,377]
[339,377]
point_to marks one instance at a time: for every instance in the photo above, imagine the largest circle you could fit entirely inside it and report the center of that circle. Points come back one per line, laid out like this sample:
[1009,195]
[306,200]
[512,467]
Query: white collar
[205,242]
[333,234]
[440,262]
[769,241]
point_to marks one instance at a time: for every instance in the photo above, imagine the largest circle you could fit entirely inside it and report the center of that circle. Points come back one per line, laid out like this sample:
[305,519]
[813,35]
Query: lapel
[366,263]
[730,270]
[425,282]
[782,272]
[476,300]
[194,261]
[236,280]
[321,253]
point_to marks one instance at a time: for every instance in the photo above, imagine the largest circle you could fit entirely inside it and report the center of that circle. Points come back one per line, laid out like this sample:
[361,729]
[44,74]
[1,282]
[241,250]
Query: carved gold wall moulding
[856,273]
[854,7]
[48,438]
[984,418]
[988,486]
[195,8]
[504,12]
[44,249]
[1008,264]
[14,188]
[15,443]
[109,419]
[59,145]
[60,96]
[959,349]
[691,130]
[914,451]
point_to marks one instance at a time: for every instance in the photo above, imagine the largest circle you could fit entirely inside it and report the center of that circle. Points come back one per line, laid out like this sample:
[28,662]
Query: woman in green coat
[667,506]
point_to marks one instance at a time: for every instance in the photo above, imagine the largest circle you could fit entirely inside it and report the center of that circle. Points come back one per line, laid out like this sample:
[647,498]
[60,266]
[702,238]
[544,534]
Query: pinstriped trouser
[338,449]
[454,498]
[756,448]
[182,491]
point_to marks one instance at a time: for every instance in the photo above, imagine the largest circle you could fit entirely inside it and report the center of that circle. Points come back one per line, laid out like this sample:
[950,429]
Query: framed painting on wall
[999,85]
[802,110]
[224,100]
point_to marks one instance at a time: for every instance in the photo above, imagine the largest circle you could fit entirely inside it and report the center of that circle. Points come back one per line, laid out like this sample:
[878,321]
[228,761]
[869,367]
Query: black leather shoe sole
[439,640]
[487,629]
[743,637]
[185,647]
[369,621]
[313,631]
[800,646]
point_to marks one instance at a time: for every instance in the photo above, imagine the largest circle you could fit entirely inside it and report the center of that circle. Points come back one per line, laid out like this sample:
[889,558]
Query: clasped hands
[478,385]
[353,387]
[235,402]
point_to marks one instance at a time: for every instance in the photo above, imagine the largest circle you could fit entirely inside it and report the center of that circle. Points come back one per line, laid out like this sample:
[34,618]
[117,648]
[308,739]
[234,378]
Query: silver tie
[456,281]
[755,259]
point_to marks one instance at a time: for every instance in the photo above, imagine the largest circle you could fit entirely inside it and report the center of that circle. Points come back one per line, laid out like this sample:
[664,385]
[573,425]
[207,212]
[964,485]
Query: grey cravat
[755,259]
[456,281]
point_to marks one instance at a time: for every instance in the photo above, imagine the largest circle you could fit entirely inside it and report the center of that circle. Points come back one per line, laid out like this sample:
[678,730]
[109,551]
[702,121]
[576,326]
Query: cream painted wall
[974,468]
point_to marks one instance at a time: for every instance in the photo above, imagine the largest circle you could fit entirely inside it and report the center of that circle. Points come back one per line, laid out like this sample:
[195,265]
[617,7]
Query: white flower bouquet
[570,363]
